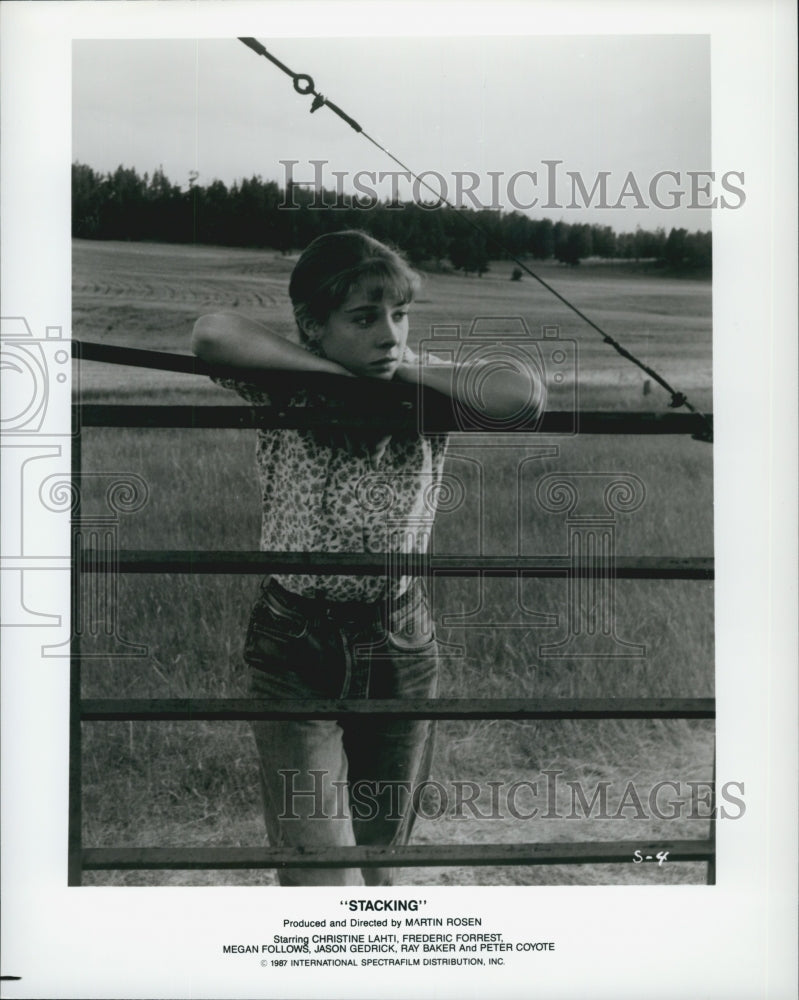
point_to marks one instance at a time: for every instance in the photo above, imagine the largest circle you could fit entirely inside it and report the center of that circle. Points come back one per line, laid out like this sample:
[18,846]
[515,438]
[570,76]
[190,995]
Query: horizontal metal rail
[349,403]
[85,350]
[237,709]
[440,420]
[414,855]
[394,408]
[189,561]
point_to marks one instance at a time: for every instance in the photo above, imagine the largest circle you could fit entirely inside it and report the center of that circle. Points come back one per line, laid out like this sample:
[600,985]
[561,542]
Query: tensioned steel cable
[304,85]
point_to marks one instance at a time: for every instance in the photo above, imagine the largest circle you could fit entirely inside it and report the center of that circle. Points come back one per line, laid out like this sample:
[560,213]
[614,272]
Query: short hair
[333,264]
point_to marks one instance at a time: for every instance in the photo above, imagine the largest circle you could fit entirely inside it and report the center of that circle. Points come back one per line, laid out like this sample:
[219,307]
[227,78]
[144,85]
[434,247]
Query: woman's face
[367,334]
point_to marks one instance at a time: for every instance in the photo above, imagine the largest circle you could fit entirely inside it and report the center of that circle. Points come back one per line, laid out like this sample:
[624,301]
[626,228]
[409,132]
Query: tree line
[255,213]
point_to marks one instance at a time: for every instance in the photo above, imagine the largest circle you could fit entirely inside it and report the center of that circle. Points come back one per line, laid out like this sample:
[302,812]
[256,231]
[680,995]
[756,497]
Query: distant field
[194,783]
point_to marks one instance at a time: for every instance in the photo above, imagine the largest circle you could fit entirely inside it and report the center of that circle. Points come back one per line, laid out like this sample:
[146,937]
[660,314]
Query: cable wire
[304,85]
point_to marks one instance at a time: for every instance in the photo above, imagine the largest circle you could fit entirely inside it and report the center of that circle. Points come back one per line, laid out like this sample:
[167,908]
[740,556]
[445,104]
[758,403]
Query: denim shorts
[341,782]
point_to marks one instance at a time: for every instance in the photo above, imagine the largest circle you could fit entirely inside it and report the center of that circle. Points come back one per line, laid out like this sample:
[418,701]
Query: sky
[620,104]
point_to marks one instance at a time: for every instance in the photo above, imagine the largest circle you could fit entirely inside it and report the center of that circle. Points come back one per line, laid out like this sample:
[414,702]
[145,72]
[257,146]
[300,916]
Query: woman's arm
[500,393]
[228,339]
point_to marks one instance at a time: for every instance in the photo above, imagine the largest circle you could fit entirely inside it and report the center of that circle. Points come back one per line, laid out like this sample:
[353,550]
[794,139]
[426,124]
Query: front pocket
[272,617]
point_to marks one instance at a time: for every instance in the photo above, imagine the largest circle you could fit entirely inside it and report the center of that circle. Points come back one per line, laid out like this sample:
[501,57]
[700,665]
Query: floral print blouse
[334,491]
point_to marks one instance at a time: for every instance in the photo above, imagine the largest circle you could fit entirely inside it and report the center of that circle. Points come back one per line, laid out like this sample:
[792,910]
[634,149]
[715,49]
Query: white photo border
[737,939]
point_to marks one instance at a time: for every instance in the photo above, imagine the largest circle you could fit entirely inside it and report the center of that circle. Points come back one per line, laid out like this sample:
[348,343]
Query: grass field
[194,783]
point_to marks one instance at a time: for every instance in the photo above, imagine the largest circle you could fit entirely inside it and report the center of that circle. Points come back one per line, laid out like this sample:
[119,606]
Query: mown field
[194,784]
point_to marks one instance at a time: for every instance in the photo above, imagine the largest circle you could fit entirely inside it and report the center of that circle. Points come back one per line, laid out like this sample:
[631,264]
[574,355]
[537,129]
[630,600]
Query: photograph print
[392,499]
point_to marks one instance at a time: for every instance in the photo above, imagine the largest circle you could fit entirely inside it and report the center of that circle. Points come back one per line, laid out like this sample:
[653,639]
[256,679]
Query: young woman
[328,783]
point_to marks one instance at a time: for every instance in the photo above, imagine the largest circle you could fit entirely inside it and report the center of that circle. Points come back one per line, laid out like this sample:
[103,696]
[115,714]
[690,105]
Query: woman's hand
[509,392]
[408,368]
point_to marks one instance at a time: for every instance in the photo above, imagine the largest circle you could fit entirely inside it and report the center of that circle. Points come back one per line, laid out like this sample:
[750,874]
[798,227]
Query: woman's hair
[332,265]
